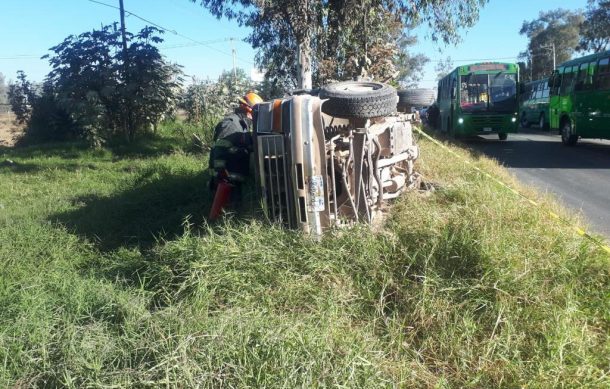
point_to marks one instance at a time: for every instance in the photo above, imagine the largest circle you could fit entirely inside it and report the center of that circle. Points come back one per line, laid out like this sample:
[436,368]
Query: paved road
[579,176]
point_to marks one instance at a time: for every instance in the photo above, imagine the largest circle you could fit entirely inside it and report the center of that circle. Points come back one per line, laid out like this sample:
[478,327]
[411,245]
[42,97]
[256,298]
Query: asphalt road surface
[579,176]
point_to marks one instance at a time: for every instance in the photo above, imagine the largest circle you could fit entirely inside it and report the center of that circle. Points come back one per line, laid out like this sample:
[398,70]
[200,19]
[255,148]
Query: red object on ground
[221,198]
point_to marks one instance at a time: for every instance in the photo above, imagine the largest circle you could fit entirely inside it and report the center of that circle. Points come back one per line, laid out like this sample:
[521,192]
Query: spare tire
[416,97]
[355,99]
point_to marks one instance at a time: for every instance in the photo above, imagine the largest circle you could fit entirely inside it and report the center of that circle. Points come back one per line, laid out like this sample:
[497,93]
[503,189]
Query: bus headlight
[513,119]
[460,120]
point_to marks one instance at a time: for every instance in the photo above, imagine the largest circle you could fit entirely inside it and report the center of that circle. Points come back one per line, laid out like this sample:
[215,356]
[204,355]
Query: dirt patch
[10,131]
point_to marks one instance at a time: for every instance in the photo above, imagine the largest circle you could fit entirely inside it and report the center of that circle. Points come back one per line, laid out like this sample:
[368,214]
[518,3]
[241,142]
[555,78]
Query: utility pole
[127,122]
[123,33]
[234,60]
[531,66]
[549,47]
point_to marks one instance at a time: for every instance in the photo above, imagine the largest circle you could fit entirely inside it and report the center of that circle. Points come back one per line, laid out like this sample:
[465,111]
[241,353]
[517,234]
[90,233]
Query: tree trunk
[304,76]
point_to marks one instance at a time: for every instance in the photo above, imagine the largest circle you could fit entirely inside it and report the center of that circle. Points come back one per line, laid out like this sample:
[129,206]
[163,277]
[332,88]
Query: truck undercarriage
[326,161]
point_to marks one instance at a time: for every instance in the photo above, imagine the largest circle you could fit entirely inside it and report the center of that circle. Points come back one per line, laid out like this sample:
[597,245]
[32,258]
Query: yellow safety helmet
[249,100]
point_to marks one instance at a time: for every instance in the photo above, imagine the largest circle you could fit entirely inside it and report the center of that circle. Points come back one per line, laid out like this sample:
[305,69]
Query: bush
[92,93]
[20,96]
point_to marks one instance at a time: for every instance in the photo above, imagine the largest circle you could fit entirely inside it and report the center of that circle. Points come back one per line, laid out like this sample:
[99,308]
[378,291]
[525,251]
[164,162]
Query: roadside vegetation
[111,276]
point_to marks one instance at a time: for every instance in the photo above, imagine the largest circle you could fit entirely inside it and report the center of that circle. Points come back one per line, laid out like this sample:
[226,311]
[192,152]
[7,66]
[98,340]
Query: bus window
[555,81]
[538,90]
[603,75]
[590,74]
[545,89]
[581,77]
[567,79]
[453,91]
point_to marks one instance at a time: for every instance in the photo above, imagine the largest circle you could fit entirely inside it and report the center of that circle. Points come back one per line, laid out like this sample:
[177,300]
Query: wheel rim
[360,87]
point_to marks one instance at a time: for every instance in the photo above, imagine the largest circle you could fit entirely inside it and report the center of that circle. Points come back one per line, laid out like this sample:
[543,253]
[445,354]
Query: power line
[22,57]
[197,42]
[136,16]
[168,47]
[183,45]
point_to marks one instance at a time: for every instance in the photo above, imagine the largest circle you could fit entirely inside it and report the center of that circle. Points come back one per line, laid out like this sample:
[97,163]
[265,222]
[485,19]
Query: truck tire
[408,98]
[354,99]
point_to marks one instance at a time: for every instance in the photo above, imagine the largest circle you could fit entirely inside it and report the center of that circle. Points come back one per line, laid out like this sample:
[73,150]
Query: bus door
[582,100]
[600,99]
[537,97]
[554,98]
[566,92]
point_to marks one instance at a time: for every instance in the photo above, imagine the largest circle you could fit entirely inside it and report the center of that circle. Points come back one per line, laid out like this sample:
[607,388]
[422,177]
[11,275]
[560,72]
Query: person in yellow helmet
[230,154]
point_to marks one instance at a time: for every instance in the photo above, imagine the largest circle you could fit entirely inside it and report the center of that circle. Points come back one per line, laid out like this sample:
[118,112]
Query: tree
[558,27]
[410,67]
[373,46]
[289,33]
[3,92]
[21,95]
[153,84]
[88,73]
[595,30]
[205,102]
[443,67]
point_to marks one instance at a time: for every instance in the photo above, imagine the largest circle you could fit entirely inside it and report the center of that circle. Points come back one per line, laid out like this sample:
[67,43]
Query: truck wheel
[568,138]
[353,99]
[408,98]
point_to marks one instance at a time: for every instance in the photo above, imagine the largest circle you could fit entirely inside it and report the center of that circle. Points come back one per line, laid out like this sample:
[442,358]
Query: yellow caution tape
[567,223]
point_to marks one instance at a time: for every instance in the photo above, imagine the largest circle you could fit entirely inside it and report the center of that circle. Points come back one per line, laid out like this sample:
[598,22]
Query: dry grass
[9,130]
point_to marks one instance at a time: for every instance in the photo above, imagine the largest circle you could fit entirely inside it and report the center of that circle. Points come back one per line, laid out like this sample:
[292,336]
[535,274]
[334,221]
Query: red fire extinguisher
[222,195]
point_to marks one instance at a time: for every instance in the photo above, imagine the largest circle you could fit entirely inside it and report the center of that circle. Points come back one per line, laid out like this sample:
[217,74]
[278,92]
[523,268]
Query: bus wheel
[503,136]
[567,137]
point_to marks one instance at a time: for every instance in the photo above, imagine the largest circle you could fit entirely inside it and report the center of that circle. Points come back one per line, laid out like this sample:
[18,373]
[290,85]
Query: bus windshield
[503,92]
[488,92]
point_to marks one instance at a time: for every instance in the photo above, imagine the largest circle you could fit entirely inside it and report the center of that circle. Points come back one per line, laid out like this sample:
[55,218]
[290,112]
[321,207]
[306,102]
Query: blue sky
[30,27]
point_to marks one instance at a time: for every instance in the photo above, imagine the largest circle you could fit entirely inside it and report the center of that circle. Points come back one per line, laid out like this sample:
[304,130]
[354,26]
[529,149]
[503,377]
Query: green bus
[534,106]
[580,98]
[480,98]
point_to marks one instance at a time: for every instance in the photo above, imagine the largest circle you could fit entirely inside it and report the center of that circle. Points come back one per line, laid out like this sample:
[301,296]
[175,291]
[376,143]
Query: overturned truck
[333,158]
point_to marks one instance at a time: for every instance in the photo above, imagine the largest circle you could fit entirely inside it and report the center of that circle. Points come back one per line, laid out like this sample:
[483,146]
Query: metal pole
[234,62]
[127,122]
[554,57]
[123,34]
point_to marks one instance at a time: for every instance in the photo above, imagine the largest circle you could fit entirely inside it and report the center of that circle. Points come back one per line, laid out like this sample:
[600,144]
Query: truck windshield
[488,92]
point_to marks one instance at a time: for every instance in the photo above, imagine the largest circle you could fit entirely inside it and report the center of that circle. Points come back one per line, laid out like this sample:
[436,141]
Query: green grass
[110,277]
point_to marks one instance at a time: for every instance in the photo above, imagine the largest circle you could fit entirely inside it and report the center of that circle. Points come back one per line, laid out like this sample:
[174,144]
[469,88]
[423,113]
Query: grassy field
[111,277]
